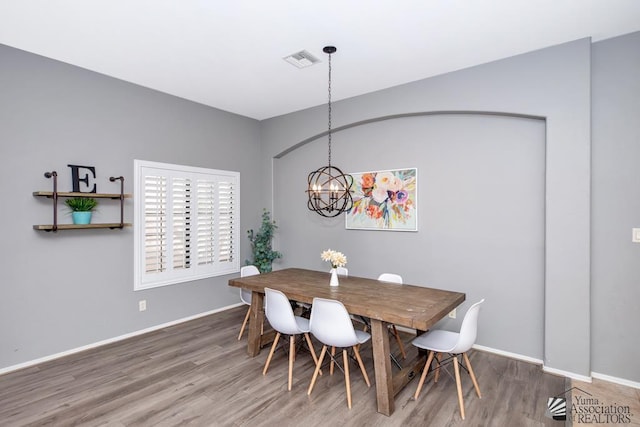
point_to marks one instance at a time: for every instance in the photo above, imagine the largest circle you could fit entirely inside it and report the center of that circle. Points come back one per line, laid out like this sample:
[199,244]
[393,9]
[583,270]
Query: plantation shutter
[181,188]
[206,221]
[155,224]
[226,221]
[186,223]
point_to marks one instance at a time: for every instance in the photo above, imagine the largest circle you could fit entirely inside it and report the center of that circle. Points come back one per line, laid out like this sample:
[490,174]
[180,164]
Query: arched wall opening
[481,212]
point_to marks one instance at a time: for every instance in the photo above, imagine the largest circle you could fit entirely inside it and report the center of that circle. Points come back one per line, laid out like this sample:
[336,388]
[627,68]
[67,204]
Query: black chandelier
[329,189]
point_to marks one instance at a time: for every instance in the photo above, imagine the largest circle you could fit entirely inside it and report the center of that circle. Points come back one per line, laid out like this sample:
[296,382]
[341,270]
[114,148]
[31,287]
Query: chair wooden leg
[315,373]
[273,348]
[292,356]
[333,355]
[471,374]
[312,350]
[246,319]
[456,368]
[397,335]
[425,370]
[439,357]
[347,380]
[295,353]
[359,359]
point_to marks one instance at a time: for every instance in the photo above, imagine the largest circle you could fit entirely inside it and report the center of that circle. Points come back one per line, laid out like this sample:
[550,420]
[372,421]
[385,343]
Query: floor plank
[198,374]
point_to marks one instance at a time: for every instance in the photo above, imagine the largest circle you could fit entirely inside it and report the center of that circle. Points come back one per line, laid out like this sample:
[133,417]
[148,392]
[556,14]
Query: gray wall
[60,291]
[52,114]
[616,207]
[553,83]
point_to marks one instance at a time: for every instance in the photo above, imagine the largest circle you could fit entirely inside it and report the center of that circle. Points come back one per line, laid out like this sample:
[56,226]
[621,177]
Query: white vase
[334,278]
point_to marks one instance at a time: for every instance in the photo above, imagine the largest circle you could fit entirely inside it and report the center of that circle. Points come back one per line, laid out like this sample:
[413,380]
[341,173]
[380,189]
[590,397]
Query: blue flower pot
[81,217]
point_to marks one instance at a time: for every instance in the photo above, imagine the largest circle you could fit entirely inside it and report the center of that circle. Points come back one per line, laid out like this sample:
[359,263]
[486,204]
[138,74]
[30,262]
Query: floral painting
[384,200]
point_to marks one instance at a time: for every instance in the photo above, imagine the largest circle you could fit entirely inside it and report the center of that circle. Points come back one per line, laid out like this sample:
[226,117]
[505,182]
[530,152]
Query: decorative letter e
[76,180]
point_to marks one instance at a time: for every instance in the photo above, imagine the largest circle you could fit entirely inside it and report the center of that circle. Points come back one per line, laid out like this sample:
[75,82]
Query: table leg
[255,323]
[382,367]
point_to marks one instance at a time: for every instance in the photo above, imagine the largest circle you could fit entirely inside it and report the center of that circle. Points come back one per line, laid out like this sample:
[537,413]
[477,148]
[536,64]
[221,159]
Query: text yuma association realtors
[589,410]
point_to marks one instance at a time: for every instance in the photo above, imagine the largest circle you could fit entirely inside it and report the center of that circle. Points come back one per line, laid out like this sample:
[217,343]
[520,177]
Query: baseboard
[615,380]
[546,369]
[566,374]
[489,350]
[508,354]
[554,371]
[112,340]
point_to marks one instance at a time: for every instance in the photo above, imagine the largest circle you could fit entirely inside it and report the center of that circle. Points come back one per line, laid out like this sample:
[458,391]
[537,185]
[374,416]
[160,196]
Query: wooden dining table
[411,306]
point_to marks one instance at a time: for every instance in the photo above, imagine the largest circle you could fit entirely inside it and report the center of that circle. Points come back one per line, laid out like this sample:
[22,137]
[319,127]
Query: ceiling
[228,53]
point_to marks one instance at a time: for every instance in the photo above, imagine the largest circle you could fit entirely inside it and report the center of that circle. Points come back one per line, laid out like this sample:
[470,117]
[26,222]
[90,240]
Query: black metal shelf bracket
[54,175]
[121,178]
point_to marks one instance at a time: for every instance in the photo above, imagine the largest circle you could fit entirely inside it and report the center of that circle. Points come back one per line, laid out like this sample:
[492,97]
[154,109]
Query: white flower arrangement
[337,259]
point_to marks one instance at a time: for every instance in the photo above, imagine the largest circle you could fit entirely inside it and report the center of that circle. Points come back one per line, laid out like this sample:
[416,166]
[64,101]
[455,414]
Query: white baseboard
[112,340]
[554,371]
[566,374]
[508,354]
[546,369]
[615,380]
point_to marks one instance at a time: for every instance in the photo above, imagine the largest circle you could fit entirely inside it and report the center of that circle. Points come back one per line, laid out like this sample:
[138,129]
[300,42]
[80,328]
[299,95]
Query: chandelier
[329,189]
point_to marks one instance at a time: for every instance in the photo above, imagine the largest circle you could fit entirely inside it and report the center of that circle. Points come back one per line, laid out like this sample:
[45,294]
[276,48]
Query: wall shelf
[49,194]
[50,227]
[55,194]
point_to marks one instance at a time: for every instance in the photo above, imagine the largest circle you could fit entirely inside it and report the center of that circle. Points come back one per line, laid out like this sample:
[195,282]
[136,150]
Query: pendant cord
[329,106]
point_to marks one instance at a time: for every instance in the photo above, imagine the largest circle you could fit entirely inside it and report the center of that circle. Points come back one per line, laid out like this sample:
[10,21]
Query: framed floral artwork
[384,200]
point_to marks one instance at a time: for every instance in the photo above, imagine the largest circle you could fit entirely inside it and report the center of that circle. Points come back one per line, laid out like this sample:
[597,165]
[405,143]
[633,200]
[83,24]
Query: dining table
[383,303]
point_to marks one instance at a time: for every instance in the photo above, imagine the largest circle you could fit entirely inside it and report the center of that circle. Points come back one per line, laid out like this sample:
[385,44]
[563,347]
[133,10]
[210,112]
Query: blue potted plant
[81,209]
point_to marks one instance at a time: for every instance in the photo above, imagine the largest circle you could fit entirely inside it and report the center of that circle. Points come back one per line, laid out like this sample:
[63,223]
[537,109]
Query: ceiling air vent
[301,59]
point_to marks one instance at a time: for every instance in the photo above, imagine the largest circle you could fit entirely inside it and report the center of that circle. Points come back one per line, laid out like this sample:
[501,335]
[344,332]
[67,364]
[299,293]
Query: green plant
[263,253]
[81,204]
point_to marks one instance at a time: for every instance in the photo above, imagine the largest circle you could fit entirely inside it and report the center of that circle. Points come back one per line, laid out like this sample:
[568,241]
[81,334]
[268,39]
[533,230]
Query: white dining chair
[390,277]
[331,325]
[245,294]
[394,278]
[454,343]
[280,315]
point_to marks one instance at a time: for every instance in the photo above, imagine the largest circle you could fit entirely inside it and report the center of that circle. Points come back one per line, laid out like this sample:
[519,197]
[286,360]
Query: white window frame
[212,231]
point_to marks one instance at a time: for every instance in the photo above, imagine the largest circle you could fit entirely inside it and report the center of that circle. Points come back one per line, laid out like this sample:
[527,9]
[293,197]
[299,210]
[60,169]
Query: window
[186,223]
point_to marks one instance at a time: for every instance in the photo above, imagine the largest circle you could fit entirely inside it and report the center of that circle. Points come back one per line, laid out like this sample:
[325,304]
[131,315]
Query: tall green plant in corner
[263,253]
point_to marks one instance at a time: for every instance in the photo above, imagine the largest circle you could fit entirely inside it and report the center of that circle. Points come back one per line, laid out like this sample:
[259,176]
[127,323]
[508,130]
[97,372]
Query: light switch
[635,236]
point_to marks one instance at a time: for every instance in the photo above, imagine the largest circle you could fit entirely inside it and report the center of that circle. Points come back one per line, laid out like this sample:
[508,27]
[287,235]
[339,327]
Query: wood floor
[198,374]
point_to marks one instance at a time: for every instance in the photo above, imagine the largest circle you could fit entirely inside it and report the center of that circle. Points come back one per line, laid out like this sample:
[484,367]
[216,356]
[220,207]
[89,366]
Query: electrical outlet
[635,235]
[452,314]
[142,305]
